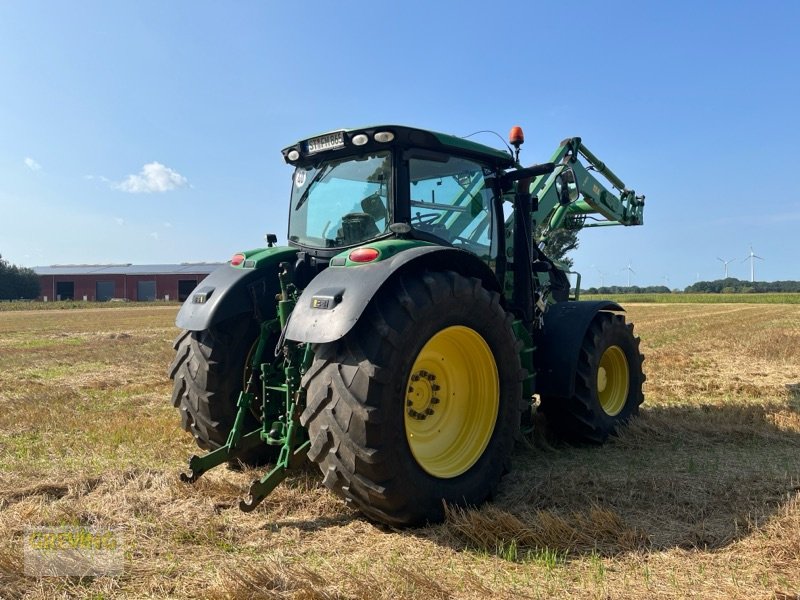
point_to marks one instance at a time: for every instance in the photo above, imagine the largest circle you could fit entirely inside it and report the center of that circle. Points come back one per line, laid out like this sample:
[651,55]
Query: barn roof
[129,269]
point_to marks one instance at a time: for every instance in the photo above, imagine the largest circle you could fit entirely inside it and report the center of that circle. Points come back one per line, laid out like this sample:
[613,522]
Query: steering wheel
[469,244]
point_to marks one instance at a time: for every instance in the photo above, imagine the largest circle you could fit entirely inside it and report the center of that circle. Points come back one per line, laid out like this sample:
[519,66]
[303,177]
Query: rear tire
[608,384]
[376,433]
[208,373]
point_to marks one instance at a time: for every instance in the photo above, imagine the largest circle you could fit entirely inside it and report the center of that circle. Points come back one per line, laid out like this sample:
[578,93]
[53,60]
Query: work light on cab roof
[516,138]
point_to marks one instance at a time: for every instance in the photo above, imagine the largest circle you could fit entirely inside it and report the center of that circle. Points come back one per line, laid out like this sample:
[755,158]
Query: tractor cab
[355,186]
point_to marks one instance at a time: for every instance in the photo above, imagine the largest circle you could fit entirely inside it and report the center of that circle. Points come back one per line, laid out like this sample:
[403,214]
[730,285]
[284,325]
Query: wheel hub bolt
[419,416]
[433,388]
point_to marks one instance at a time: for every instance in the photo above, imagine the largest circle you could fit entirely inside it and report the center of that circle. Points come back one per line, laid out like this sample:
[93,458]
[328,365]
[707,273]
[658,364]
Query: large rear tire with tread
[608,384]
[208,372]
[419,403]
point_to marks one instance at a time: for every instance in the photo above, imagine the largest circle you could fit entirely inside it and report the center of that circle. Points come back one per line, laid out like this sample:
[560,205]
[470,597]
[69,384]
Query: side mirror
[566,186]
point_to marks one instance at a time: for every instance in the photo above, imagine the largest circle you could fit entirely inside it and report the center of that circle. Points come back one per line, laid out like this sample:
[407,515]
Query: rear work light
[363,255]
[237,260]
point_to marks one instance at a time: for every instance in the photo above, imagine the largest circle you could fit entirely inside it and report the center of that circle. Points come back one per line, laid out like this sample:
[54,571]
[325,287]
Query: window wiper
[311,184]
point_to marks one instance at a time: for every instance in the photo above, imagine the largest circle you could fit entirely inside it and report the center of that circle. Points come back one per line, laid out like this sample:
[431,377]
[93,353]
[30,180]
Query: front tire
[419,403]
[608,384]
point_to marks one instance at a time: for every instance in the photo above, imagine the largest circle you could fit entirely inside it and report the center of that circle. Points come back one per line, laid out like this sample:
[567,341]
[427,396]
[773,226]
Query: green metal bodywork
[596,206]
[526,358]
[386,249]
[261,258]
[457,143]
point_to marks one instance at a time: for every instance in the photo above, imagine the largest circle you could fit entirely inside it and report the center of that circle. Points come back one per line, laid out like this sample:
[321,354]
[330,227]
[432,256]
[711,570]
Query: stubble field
[700,496]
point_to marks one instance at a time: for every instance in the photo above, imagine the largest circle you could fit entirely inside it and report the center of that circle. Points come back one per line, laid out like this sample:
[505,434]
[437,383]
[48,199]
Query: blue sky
[149,132]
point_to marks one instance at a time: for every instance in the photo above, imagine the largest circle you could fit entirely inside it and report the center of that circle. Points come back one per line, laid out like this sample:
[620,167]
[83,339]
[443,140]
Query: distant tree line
[17,282]
[731,285]
[623,289]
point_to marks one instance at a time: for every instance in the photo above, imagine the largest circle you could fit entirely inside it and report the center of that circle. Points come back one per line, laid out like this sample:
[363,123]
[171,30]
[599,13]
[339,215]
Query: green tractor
[402,338]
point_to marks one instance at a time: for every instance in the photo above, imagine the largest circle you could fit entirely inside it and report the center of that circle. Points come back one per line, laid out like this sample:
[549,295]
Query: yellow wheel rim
[451,403]
[612,380]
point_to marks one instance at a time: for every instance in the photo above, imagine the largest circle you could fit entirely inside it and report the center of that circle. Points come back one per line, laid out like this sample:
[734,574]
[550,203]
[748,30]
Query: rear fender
[558,345]
[231,291]
[336,298]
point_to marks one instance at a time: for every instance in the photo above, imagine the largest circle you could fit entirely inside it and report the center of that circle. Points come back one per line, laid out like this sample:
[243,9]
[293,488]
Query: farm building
[129,282]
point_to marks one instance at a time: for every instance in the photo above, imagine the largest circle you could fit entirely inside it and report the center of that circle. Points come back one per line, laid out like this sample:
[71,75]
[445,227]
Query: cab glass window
[342,202]
[450,199]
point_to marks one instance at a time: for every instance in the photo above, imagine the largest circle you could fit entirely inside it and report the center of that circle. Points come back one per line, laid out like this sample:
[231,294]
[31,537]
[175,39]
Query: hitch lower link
[281,393]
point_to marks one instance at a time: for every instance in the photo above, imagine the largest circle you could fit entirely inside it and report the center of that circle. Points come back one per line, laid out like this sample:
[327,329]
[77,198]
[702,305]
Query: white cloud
[154,177]
[154,235]
[119,220]
[97,177]
[167,224]
[32,164]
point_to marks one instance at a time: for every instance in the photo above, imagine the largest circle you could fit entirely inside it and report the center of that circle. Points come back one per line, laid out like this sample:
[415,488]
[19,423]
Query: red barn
[129,282]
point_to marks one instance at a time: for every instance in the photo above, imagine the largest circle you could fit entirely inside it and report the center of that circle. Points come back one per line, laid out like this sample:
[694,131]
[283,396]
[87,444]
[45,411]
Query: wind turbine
[752,256]
[726,262]
[630,270]
[601,273]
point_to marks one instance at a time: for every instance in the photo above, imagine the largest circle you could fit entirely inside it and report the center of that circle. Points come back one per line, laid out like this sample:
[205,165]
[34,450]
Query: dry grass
[699,497]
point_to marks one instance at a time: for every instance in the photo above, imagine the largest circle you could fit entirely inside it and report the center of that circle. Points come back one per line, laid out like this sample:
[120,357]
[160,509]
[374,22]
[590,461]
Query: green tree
[558,243]
[17,282]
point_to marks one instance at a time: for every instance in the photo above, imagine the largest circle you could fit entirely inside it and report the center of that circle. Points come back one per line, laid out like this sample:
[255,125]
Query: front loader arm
[595,205]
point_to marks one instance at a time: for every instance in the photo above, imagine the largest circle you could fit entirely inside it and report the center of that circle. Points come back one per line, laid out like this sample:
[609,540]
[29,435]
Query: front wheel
[417,406]
[608,383]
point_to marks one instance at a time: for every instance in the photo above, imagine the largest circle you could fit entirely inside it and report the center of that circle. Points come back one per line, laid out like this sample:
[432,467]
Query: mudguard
[558,346]
[230,291]
[333,302]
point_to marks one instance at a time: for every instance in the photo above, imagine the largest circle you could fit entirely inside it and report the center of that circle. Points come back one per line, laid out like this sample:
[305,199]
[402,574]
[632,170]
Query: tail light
[364,255]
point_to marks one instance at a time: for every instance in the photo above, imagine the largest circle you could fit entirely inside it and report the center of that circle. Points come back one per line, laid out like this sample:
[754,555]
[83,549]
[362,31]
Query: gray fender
[230,291]
[334,301]
[558,345]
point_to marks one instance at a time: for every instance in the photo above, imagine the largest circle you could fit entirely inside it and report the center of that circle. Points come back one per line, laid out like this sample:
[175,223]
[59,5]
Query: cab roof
[407,136]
